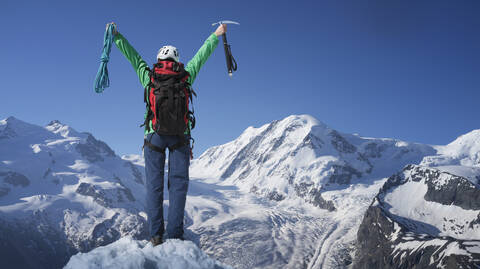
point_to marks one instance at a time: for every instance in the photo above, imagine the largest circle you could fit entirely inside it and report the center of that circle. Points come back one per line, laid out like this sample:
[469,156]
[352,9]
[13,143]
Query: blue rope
[101,80]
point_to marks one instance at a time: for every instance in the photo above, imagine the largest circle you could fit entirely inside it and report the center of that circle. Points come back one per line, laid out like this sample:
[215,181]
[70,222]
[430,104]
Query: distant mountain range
[61,192]
[292,193]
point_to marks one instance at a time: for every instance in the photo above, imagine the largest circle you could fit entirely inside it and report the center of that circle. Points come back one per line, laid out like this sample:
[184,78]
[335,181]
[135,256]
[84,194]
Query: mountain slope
[61,192]
[302,157]
[299,158]
[289,165]
[422,218]
[290,194]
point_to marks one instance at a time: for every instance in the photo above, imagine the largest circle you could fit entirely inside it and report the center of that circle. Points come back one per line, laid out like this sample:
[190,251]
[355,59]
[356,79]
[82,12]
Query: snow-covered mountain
[461,157]
[302,157]
[289,194]
[422,218]
[428,215]
[61,192]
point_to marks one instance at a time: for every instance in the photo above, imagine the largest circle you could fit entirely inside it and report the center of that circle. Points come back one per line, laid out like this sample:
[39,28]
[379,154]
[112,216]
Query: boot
[156,240]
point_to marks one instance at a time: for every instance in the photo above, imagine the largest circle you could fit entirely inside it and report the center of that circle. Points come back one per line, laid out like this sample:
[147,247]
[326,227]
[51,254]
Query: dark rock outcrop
[96,193]
[343,174]
[386,240]
[15,179]
[313,195]
[94,150]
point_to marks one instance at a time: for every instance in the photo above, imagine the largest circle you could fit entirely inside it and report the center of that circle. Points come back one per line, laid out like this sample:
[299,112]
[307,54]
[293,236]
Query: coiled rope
[101,80]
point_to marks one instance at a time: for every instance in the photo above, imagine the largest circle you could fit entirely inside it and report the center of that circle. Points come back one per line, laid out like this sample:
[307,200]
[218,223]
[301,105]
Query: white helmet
[168,52]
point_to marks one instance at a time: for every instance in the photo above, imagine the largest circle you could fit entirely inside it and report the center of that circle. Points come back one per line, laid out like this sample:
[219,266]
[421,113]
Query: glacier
[289,194]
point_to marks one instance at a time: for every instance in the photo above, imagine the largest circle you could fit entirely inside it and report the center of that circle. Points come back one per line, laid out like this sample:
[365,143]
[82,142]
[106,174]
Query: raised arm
[140,66]
[194,65]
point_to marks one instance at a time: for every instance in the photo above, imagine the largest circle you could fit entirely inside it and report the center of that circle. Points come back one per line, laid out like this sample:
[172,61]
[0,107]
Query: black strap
[153,147]
[181,142]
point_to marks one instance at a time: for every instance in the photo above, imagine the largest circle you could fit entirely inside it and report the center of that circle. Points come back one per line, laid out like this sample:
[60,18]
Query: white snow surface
[128,253]
[300,149]
[229,212]
[461,157]
[135,159]
[407,200]
[56,179]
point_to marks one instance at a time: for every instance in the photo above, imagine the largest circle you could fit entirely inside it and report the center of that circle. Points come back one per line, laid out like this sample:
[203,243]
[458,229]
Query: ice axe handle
[227,54]
[231,63]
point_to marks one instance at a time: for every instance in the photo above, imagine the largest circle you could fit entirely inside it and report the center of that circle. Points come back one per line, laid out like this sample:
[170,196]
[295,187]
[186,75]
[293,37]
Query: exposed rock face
[313,196]
[94,150]
[15,179]
[96,193]
[7,133]
[341,144]
[136,173]
[11,179]
[421,218]
[343,174]
[22,248]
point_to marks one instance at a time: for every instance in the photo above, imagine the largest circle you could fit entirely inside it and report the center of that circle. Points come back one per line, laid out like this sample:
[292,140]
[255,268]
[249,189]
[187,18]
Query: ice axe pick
[231,63]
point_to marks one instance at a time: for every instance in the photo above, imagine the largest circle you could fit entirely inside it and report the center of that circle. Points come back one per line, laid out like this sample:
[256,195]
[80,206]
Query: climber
[168,123]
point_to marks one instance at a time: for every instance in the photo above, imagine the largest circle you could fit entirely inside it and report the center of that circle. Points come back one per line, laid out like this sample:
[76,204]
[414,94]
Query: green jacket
[141,67]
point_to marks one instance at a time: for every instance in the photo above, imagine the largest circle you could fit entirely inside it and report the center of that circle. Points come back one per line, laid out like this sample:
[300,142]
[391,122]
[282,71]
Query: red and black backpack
[167,97]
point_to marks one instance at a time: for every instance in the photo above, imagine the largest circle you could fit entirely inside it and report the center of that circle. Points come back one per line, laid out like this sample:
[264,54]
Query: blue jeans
[178,163]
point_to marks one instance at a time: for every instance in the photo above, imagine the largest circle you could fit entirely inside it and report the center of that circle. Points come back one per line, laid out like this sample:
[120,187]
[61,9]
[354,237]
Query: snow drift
[128,253]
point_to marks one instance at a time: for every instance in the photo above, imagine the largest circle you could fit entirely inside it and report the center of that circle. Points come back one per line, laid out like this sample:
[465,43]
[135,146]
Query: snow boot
[156,240]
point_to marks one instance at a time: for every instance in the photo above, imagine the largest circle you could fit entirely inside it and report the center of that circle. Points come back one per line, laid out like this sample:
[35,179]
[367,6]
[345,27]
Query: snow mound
[129,253]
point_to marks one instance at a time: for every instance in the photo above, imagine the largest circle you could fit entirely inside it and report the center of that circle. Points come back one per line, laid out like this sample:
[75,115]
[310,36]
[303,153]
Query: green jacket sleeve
[134,58]
[194,65]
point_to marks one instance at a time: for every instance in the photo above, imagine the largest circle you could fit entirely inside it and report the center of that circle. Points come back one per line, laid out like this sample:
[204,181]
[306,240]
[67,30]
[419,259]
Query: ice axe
[231,63]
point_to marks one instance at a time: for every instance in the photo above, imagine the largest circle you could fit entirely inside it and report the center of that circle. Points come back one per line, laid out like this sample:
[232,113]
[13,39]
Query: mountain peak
[54,122]
[12,127]
[472,137]
[10,120]
[56,127]
[303,120]
[464,150]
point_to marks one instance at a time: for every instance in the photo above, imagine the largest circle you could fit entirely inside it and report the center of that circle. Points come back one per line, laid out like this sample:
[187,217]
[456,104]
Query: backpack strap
[152,146]
[146,93]
[181,142]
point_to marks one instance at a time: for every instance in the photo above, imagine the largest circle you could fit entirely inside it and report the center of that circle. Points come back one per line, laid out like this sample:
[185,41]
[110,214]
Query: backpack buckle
[176,67]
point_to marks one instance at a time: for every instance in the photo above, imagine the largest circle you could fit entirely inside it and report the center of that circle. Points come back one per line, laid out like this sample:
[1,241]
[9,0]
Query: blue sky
[403,69]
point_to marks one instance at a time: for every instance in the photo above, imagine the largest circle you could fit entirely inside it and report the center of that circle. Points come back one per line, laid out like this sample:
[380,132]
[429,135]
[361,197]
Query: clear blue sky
[401,69]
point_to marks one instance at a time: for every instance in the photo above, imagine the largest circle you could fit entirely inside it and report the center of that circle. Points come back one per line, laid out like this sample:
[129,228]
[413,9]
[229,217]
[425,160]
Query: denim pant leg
[154,172]
[178,164]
